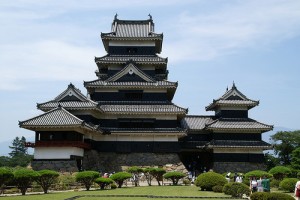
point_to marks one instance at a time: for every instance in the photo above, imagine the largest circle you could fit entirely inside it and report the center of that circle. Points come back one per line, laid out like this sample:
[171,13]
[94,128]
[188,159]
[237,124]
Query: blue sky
[45,45]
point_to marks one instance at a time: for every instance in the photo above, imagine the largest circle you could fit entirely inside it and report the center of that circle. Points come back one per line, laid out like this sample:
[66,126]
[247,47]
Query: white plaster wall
[57,152]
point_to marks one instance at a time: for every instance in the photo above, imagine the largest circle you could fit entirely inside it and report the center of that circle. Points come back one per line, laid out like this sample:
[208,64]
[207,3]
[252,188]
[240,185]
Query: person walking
[297,190]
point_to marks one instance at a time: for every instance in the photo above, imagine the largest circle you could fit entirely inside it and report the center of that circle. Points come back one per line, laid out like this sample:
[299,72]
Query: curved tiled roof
[237,124]
[239,144]
[135,58]
[132,29]
[100,83]
[58,117]
[69,105]
[195,122]
[137,109]
[232,97]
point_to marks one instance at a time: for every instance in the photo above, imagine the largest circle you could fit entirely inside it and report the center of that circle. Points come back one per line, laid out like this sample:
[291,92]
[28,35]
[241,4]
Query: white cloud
[253,24]
[47,60]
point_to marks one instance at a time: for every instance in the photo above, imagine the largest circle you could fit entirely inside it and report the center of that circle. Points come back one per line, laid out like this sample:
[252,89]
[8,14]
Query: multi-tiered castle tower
[128,118]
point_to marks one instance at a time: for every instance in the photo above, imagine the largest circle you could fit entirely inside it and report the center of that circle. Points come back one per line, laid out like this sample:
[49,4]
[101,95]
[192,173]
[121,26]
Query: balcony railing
[78,144]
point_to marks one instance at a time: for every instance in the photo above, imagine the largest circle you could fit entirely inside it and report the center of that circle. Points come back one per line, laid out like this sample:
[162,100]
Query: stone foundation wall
[243,167]
[115,162]
[57,165]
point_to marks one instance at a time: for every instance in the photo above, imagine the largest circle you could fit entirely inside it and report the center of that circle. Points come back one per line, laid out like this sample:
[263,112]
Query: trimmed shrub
[120,177]
[217,188]
[113,186]
[87,178]
[288,184]
[274,183]
[236,189]
[103,182]
[158,173]
[24,178]
[148,175]
[280,172]
[135,171]
[174,176]
[46,178]
[186,182]
[279,196]
[210,179]
[65,182]
[270,196]
[259,196]
[257,174]
[5,176]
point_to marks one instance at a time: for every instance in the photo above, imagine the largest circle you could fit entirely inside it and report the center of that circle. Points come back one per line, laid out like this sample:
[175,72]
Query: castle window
[136,123]
[132,95]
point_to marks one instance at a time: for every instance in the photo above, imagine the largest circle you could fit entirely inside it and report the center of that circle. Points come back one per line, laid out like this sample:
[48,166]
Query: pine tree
[18,147]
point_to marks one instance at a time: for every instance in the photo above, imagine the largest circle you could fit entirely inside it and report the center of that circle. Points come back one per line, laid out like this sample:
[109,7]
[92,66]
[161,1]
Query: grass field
[183,191]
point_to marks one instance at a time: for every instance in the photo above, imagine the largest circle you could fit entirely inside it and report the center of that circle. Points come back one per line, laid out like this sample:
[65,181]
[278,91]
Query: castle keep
[128,118]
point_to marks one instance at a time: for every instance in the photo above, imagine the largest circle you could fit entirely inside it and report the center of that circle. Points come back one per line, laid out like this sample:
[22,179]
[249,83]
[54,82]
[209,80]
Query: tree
[271,161]
[135,171]
[284,143]
[295,161]
[18,155]
[103,182]
[87,178]
[280,172]
[5,176]
[18,147]
[24,178]
[46,178]
[120,177]
[174,176]
[158,173]
[148,175]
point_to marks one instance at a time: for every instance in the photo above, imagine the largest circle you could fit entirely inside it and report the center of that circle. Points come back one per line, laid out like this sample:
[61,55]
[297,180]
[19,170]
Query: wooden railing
[78,144]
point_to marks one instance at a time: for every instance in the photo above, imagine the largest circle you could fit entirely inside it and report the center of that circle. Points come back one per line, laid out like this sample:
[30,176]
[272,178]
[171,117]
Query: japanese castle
[128,119]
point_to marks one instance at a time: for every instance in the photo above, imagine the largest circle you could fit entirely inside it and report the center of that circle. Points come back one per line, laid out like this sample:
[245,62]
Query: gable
[71,94]
[130,73]
[234,97]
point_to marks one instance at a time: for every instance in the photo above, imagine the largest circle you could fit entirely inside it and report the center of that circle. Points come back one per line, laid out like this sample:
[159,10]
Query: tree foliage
[174,176]
[103,182]
[24,178]
[18,147]
[295,160]
[285,142]
[120,177]
[5,176]
[280,172]
[87,178]
[206,181]
[288,184]
[46,178]
[135,171]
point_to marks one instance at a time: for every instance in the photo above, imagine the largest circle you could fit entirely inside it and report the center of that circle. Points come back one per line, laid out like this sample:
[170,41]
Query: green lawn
[191,191]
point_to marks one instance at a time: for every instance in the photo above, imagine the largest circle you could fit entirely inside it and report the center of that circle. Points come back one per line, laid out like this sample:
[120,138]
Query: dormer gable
[130,73]
[71,94]
[232,98]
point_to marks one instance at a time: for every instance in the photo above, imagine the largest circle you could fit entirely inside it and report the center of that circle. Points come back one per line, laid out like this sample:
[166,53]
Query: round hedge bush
[120,177]
[24,178]
[46,178]
[5,176]
[236,189]
[87,178]
[270,196]
[208,180]
[174,176]
[103,182]
[288,184]
[279,172]
[257,174]
[217,188]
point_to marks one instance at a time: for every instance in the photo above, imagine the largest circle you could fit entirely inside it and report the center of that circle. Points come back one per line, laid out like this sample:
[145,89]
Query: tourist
[234,177]
[297,190]
[253,184]
[259,185]
[227,178]
[239,179]
[265,184]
